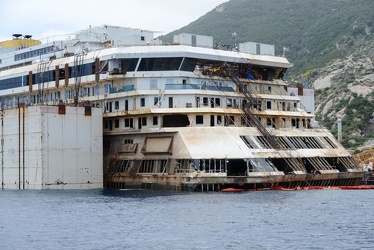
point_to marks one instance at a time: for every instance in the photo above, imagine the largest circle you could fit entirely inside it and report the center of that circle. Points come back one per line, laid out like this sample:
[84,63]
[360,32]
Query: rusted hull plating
[186,183]
[211,159]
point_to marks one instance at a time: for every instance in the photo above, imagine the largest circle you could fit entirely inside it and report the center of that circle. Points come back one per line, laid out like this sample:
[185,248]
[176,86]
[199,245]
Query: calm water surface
[136,219]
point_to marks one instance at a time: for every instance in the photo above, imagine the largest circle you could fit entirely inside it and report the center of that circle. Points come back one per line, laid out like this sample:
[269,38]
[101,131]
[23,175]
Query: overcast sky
[42,18]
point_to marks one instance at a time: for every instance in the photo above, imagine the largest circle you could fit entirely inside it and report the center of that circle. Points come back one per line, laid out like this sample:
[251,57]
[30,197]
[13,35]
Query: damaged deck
[178,159]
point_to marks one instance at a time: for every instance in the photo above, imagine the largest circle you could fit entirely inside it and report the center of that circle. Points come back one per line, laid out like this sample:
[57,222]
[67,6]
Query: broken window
[248,141]
[219,119]
[329,142]
[177,120]
[156,100]
[229,103]
[262,141]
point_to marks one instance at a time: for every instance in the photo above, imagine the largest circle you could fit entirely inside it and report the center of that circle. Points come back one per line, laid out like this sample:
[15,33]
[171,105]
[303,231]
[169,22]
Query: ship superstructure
[181,116]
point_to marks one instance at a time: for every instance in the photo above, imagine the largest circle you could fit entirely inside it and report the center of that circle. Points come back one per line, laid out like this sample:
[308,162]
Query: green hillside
[314,31]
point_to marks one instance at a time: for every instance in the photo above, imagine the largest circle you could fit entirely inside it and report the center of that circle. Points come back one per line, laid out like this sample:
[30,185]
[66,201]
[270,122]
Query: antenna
[284,51]
[234,36]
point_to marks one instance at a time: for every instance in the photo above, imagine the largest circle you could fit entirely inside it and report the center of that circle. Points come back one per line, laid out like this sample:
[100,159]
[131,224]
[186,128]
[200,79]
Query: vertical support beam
[57,76]
[21,146]
[97,69]
[67,75]
[30,81]
[340,137]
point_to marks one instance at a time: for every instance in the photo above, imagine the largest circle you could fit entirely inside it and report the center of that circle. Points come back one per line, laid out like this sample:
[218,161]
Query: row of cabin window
[34,53]
[153,84]
[206,102]
[199,120]
[47,76]
[56,95]
[129,123]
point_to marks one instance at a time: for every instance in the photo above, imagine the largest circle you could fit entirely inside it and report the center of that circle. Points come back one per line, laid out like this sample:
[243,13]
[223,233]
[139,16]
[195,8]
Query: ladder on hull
[269,137]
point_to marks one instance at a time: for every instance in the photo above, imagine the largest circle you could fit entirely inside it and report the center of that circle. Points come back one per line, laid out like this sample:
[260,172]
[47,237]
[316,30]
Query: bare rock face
[327,107]
[351,141]
[337,86]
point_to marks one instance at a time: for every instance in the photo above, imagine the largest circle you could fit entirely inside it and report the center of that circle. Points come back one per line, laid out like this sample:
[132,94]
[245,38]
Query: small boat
[233,190]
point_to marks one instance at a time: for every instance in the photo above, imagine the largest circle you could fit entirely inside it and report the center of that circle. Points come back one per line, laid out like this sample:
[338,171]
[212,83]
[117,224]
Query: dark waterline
[137,219]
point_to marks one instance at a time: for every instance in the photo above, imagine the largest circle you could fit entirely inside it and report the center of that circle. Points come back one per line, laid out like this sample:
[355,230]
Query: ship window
[96,90]
[244,121]
[160,64]
[155,120]
[142,38]
[156,100]
[218,102]
[142,102]
[219,119]
[128,141]
[197,99]
[153,84]
[177,120]
[205,101]
[248,141]
[330,142]
[199,119]
[129,123]
[116,105]
[229,103]
[293,120]
[128,64]
[262,141]
[144,121]
[86,91]
[270,121]
[268,104]
[116,123]
[189,64]
[229,120]
[232,120]
[106,88]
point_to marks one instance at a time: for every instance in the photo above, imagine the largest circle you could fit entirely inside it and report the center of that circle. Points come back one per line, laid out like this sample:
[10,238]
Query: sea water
[144,219]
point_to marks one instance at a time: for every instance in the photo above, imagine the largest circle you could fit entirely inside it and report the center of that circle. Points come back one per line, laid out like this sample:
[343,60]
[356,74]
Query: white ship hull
[171,116]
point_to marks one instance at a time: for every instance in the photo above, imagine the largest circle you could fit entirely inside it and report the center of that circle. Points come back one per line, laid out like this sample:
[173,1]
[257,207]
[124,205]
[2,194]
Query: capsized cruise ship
[181,116]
